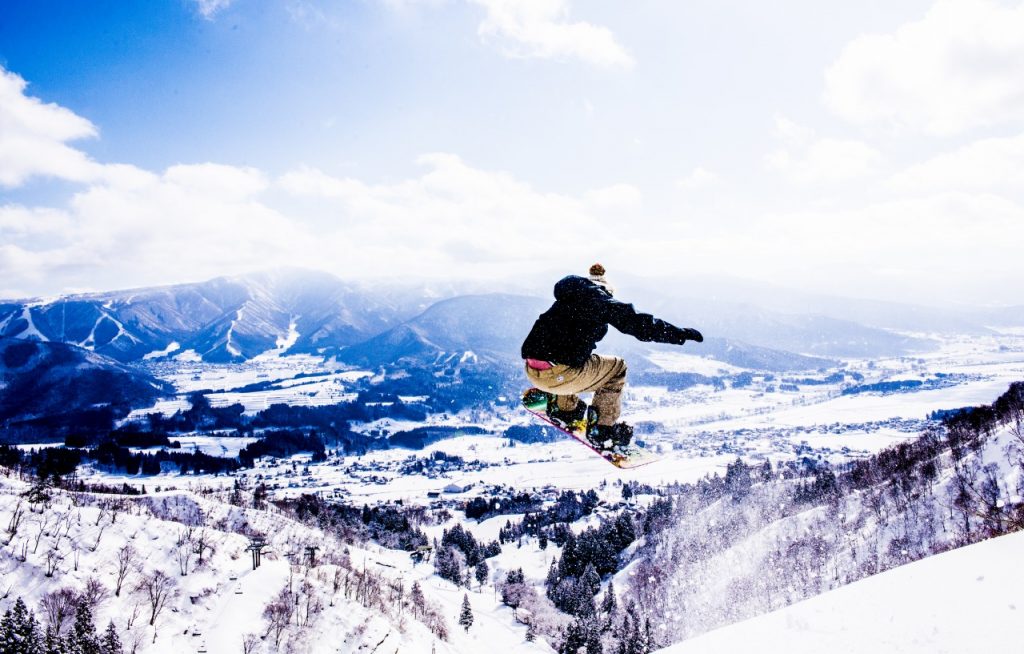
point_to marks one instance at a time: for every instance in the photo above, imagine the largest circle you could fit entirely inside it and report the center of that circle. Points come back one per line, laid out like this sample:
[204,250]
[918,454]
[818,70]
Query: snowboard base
[631,456]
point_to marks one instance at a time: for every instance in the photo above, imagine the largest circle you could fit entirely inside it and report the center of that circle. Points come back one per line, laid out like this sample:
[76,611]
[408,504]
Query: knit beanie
[597,276]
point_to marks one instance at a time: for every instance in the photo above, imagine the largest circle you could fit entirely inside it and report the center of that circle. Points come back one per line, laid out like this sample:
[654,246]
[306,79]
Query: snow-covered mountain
[48,383]
[232,319]
[224,319]
[492,326]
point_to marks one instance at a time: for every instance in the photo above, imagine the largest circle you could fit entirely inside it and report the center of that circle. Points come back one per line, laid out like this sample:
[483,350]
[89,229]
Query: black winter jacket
[569,331]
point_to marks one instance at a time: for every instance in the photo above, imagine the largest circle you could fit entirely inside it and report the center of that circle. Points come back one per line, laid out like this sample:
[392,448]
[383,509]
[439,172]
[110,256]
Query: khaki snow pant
[604,375]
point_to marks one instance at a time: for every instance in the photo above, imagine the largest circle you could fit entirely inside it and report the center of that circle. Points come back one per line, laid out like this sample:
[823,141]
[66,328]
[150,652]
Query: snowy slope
[965,600]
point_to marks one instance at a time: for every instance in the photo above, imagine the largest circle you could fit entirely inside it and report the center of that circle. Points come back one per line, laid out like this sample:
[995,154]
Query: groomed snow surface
[963,601]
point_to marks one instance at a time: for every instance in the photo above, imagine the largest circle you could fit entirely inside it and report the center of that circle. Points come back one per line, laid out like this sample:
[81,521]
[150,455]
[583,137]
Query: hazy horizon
[643,290]
[870,151]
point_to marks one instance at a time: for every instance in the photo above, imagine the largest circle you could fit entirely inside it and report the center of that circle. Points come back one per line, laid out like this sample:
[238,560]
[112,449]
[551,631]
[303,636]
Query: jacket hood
[574,287]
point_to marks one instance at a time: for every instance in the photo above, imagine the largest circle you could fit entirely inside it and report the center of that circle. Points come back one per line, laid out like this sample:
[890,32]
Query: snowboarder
[559,352]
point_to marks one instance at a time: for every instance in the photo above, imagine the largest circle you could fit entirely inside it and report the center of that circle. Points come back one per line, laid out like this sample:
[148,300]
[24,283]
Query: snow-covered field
[697,430]
[963,601]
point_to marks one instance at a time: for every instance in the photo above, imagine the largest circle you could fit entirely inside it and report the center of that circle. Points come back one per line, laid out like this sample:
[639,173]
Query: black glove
[693,335]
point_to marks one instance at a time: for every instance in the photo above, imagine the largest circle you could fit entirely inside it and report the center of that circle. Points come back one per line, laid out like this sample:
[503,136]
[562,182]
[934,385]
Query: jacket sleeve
[642,326]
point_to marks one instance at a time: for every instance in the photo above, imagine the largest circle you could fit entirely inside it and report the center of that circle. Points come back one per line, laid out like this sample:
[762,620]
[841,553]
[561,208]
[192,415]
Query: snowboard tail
[537,402]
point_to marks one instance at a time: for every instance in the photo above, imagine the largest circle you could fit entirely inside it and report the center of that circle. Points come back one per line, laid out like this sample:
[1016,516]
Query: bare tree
[94,593]
[103,506]
[52,561]
[63,522]
[116,507]
[136,641]
[125,562]
[183,555]
[249,643]
[133,616]
[58,605]
[278,614]
[12,526]
[42,531]
[99,537]
[202,544]
[157,589]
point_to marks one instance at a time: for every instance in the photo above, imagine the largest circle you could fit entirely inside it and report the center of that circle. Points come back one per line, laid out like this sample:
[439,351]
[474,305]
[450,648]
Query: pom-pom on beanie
[597,276]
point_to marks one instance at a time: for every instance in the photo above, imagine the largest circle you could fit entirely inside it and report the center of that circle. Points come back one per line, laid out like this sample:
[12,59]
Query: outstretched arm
[644,326]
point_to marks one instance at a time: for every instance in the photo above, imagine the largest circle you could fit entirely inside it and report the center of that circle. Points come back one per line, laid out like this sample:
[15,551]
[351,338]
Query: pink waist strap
[537,364]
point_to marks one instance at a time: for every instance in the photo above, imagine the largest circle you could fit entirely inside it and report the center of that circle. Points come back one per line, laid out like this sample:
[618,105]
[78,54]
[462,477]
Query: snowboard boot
[611,437]
[567,419]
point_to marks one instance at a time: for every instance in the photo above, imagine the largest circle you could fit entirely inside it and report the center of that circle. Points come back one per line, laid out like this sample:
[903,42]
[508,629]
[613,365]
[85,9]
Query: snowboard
[632,456]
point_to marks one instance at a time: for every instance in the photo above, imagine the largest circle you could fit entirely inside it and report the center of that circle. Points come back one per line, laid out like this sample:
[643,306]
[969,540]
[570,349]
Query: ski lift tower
[256,545]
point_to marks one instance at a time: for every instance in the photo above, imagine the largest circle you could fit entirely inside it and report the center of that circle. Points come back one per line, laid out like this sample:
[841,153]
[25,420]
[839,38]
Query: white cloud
[130,227]
[805,159]
[988,164]
[218,180]
[792,133]
[410,5]
[34,136]
[452,219]
[210,8]
[929,250]
[957,68]
[826,160]
[538,29]
[543,29]
[941,246]
[21,221]
[617,198]
[699,178]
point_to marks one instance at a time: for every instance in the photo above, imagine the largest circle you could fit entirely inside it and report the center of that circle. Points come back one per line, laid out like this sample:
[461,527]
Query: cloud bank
[956,69]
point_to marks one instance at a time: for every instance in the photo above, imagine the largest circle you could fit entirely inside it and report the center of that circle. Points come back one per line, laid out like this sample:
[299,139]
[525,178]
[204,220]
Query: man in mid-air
[560,359]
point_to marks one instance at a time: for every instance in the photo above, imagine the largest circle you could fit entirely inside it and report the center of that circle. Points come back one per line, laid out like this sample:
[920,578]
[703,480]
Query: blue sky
[817,145]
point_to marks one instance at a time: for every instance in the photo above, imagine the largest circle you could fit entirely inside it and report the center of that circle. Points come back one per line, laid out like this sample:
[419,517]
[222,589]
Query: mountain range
[227,319]
[233,319]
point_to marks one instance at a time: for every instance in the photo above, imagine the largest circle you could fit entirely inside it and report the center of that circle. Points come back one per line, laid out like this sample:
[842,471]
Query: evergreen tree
[592,636]
[417,599]
[645,638]
[551,581]
[531,633]
[738,479]
[634,639]
[53,643]
[609,606]
[512,589]
[582,635]
[19,631]
[623,532]
[574,639]
[625,636]
[591,580]
[466,616]
[481,572]
[111,644]
[447,565]
[82,639]
[569,564]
